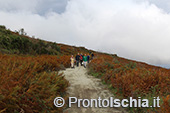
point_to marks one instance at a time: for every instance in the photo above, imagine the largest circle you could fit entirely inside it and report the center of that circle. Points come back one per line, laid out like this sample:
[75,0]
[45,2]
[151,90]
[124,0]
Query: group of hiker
[81,59]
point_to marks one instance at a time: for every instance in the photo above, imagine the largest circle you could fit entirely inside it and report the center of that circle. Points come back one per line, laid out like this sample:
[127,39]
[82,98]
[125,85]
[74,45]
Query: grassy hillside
[28,73]
[127,78]
[13,43]
[29,80]
[27,83]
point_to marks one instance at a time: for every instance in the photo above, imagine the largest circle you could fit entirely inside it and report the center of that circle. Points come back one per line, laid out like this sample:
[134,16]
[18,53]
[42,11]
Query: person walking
[85,60]
[81,59]
[88,58]
[77,59]
[72,61]
[92,55]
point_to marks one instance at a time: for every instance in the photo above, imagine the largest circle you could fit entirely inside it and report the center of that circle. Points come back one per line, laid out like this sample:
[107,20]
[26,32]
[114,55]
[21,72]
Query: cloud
[163,4]
[18,5]
[34,6]
[45,6]
[135,30]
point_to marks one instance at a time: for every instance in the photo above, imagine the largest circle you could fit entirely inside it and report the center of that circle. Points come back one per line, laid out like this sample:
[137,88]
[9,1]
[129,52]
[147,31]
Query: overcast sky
[134,29]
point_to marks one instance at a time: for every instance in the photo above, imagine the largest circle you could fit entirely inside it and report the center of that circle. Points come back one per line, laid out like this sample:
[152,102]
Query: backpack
[81,58]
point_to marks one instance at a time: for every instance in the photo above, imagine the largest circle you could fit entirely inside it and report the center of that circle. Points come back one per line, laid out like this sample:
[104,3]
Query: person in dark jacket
[77,59]
[92,55]
[88,58]
[81,59]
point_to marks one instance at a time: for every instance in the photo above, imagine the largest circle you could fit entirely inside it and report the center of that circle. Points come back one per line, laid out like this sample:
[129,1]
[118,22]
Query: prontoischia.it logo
[111,102]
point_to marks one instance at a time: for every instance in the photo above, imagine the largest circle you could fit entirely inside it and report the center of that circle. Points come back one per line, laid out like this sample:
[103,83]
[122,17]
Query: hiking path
[84,86]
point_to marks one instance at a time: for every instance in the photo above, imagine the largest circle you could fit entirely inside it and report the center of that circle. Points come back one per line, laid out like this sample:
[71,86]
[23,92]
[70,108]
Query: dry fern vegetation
[30,81]
[133,79]
[29,76]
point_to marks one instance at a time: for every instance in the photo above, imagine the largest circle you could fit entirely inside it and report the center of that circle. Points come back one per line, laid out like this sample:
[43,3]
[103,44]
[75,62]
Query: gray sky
[134,29]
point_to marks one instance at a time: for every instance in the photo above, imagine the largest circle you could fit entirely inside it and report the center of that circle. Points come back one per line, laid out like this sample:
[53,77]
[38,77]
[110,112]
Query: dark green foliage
[54,46]
[13,43]
[2,27]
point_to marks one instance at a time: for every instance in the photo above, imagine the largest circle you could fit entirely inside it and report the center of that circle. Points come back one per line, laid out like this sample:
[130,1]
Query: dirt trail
[84,86]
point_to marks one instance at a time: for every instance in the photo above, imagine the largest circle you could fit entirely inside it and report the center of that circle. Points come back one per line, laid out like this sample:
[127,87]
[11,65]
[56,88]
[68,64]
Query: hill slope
[13,43]
[27,78]
[28,65]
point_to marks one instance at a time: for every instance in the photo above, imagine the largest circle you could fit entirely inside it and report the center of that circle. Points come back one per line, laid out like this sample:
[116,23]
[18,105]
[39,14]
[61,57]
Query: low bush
[134,79]
[27,83]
